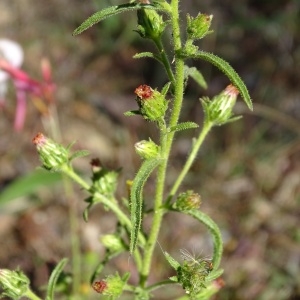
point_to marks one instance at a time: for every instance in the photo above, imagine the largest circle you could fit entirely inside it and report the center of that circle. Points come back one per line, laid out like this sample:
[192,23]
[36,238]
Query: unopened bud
[52,155]
[146,149]
[153,105]
[113,243]
[187,201]
[219,109]
[198,27]
[14,284]
[111,286]
[150,24]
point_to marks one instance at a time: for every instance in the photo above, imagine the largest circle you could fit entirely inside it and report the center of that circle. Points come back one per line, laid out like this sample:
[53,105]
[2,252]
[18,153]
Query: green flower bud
[150,24]
[113,243]
[104,181]
[52,155]
[152,103]
[111,286]
[198,27]
[219,109]
[187,201]
[14,284]
[146,149]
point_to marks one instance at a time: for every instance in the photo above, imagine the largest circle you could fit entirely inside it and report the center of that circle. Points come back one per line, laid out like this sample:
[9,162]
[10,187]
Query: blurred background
[247,173]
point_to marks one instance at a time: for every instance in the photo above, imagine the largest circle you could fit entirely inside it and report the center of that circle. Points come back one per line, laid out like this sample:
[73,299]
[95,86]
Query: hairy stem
[166,143]
[205,130]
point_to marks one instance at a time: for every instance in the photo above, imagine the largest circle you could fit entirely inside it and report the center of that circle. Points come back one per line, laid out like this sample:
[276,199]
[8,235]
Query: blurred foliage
[248,172]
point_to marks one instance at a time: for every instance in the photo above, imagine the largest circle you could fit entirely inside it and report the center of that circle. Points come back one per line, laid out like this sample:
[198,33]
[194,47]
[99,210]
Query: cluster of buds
[147,149]
[111,286]
[152,104]
[219,110]
[187,201]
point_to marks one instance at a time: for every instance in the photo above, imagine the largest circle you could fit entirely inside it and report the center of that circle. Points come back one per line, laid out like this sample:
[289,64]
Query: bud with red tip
[219,109]
[52,155]
[153,105]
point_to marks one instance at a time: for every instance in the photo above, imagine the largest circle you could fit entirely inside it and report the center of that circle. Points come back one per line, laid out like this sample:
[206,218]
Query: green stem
[165,143]
[31,295]
[165,60]
[75,243]
[110,203]
[205,130]
[215,232]
[159,285]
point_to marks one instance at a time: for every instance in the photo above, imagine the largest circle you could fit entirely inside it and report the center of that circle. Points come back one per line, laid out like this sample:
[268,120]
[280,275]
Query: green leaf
[183,126]
[108,12]
[148,55]
[215,232]
[80,153]
[226,68]
[173,263]
[132,113]
[54,277]
[136,197]
[166,88]
[28,184]
[196,75]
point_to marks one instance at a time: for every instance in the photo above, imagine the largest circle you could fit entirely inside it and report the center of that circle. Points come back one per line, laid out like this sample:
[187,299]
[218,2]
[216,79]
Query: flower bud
[113,243]
[219,109]
[198,27]
[111,286]
[14,284]
[187,201]
[52,155]
[152,103]
[150,24]
[192,275]
[104,180]
[146,149]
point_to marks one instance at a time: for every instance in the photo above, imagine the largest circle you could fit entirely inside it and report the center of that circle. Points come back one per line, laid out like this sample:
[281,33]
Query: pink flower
[25,85]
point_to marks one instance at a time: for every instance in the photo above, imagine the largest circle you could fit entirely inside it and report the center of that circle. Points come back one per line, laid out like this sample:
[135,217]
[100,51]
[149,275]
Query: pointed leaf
[173,263]
[108,12]
[54,277]
[226,68]
[28,184]
[148,55]
[196,75]
[80,153]
[136,197]
[183,126]
[132,113]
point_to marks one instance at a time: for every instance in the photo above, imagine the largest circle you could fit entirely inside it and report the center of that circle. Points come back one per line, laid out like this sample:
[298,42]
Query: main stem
[166,143]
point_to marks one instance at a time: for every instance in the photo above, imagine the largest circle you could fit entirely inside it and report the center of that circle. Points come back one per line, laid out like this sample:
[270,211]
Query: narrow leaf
[226,68]
[54,277]
[147,55]
[183,126]
[80,153]
[132,113]
[136,197]
[173,263]
[108,12]
[28,184]
[196,75]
